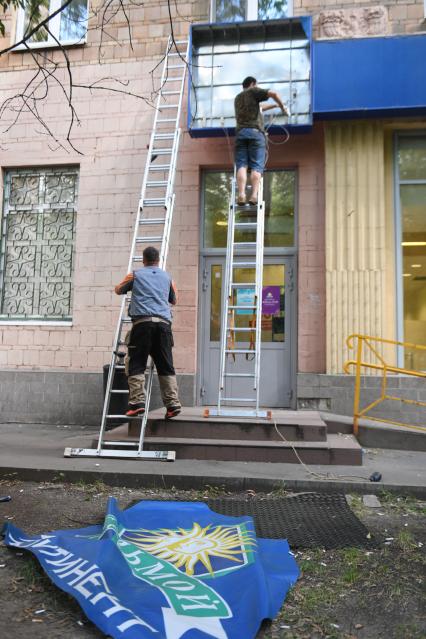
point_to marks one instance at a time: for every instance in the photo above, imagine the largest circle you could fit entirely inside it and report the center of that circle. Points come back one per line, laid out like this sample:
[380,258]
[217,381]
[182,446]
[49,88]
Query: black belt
[153,319]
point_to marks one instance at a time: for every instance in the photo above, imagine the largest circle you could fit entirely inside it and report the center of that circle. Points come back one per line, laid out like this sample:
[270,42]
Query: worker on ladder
[153,291]
[250,141]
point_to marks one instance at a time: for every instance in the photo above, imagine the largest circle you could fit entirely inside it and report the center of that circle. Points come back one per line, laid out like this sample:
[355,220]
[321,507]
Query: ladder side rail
[178,131]
[148,391]
[157,109]
[259,282]
[182,86]
[111,370]
[227,290]
[173,163]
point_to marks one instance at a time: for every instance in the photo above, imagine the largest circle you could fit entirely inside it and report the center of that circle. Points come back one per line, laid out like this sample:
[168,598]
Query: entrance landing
[285,438]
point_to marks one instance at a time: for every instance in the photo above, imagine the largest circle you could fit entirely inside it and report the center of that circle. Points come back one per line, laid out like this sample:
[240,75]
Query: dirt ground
[341,594]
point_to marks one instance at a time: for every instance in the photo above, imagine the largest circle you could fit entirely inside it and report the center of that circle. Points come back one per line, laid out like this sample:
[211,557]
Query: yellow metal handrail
[382,366]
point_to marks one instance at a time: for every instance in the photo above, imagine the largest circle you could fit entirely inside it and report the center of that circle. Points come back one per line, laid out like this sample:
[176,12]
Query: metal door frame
[281,252]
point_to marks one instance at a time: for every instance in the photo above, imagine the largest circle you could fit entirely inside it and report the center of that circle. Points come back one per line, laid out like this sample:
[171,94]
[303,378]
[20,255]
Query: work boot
[172,411]
[135,410]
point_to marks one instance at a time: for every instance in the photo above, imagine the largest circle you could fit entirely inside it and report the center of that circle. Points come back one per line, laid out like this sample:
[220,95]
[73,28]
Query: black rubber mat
[308,520]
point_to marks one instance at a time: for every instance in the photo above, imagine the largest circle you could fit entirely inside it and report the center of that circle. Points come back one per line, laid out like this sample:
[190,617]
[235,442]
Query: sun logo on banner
[199,551]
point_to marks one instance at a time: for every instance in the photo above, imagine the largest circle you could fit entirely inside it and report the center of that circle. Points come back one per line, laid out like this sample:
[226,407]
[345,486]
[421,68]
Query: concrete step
[336,450]
[293,426]
[372,434]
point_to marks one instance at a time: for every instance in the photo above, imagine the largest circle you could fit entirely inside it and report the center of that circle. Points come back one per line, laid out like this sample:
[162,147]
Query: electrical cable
[322,476]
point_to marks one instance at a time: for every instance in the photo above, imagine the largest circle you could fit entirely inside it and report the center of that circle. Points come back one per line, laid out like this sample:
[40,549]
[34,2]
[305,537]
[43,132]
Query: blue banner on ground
[166,570]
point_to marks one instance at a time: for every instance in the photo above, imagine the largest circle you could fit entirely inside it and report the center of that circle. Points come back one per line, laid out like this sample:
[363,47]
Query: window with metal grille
[37,244]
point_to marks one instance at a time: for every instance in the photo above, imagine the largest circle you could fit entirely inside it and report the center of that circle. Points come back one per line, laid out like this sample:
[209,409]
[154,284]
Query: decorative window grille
[37,244]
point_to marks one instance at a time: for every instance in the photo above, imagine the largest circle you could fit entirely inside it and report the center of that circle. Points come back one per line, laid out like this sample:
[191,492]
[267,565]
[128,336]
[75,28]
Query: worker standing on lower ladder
[153,291]
[250,141]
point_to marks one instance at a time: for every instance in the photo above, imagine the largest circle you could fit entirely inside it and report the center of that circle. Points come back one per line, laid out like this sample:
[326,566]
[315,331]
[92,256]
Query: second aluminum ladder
[152,228]
[242,220]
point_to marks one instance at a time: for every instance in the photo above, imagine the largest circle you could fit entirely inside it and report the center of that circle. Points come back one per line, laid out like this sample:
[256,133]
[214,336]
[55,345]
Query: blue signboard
[167,570]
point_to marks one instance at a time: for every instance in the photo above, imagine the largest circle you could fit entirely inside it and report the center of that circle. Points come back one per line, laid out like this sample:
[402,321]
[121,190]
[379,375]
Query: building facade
[345,242]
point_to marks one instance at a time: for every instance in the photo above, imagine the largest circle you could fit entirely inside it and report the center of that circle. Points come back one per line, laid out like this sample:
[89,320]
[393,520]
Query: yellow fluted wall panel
[355,235]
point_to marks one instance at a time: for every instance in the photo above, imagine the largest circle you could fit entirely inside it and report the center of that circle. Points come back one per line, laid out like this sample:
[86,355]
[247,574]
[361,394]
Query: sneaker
[172,411]
[253,201]
[135,409]
[241,200]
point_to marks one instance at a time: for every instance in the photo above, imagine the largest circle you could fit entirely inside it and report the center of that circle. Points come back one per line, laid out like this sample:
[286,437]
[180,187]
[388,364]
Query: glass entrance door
[276,354]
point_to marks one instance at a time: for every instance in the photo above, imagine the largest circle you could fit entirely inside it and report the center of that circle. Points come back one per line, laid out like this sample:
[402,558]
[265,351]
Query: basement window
[66,28]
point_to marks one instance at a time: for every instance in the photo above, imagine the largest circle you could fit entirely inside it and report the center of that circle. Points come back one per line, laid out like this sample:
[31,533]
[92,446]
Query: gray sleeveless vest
[150,293]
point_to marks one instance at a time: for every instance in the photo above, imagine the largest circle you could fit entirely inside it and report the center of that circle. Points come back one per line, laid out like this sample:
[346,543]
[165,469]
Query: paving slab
[35,451]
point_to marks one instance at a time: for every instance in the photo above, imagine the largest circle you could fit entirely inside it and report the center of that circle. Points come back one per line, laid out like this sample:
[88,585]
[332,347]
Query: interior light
[221,223]
[416,266]
[406,275]
[413,243]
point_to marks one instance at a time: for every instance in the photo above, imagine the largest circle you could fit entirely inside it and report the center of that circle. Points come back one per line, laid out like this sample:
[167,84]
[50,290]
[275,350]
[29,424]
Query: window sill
[48,45]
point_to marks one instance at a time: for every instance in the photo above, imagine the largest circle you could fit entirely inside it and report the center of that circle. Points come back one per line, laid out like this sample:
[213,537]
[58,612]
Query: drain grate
[308,520]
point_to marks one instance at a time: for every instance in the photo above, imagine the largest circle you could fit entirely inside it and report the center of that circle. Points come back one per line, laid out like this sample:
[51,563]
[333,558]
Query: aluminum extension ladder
[154,216]
[227,405]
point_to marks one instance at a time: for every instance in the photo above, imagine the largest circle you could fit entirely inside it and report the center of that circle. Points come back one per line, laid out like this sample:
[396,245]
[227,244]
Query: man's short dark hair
[151,255]
[248,81]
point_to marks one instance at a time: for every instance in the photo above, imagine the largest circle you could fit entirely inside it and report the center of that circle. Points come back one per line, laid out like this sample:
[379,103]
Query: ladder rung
[164,136]
[145,240]
[168,106]
[176,66]
[244,244]
[170,92]
[153,220]
[159,167]
[240,351]
[241,330]
[155,183]
[166,120]
[119,367]
[118,390]
[161,151]
[237,307]
[251,225]
[239,375]
[243,284]
[154,201]
[124,416]
[243,264]
[238,399]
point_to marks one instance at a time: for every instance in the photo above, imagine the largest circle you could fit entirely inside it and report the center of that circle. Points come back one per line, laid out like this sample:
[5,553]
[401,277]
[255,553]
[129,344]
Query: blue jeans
[250,149]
